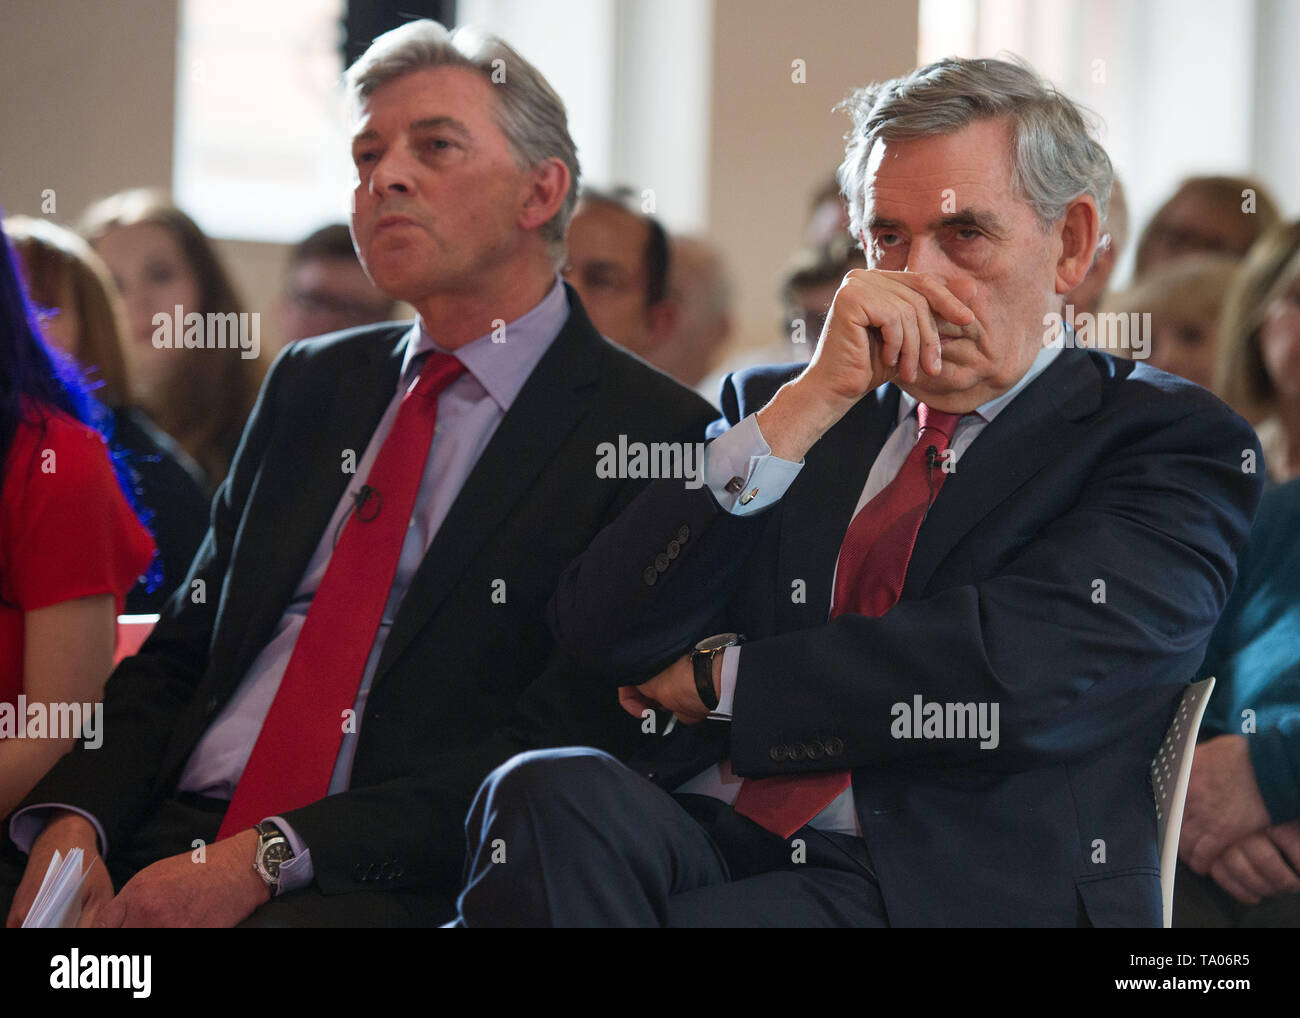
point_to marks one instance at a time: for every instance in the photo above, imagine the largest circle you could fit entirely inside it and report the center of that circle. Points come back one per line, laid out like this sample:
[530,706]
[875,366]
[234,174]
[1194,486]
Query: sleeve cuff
[742,473]
[26,825]
[727,684]
[1276,760]
[296,873]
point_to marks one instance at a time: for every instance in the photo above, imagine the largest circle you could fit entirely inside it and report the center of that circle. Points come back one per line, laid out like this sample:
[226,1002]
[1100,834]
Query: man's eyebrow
[979,218]
[441,123]
[425,124]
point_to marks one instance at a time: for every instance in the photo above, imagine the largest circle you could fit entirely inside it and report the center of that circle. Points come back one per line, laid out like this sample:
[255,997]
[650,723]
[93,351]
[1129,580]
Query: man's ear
[548,186]
[1079,230]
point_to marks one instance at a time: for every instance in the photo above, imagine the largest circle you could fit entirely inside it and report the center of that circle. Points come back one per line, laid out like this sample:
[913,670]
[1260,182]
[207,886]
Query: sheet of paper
[58,902]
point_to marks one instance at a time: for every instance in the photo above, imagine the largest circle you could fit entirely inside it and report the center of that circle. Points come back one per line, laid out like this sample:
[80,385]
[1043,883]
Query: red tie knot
[938,420]
[438,372]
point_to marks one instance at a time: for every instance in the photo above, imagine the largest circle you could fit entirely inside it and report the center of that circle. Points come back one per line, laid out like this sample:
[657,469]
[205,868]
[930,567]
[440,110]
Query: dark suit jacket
[1100,470]
[463,682]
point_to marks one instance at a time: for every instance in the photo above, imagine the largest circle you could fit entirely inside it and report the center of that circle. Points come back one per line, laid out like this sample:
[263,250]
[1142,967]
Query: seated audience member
[618,263]
[70,548]
[1240,844]
[975,568]
[1184,299]
[83,319]
[808,287]
[698,285]
[373,637]
[1087,296]
[828,218]
[326,289]
[1214,215]
[162,261]
[1259,360]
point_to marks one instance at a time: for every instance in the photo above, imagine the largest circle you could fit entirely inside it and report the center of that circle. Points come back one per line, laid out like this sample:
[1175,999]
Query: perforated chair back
[1170,772]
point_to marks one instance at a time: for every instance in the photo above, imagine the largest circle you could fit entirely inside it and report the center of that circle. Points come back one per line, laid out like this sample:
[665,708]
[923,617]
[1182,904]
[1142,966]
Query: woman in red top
[70,548]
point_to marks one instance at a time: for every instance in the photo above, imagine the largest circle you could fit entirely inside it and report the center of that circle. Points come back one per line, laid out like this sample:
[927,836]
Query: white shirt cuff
[742,473]
[727,684]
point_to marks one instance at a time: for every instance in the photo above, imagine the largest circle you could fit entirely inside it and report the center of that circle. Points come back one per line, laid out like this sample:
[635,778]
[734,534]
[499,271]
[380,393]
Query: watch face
[717,642]
[275,854]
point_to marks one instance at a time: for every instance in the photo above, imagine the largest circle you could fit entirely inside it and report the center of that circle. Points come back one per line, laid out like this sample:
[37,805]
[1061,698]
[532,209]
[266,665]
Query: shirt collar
[502,367]
[995,406]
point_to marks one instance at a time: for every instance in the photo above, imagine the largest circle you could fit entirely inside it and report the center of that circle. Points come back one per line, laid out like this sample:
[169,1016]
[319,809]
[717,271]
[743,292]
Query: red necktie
[298,746]
[869,578]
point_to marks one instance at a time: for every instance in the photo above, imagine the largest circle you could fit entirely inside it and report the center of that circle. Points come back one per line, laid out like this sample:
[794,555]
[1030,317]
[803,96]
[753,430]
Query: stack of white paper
[58,902]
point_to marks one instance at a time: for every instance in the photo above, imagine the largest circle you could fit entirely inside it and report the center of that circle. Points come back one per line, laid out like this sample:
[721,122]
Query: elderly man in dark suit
[975,566]
[362,636]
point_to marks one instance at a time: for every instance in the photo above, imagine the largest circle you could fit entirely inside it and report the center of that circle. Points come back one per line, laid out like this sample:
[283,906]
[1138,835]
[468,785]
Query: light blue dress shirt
[469,411]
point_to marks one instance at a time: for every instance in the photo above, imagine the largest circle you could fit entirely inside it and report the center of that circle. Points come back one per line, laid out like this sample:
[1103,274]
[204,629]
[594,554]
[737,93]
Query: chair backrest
[1170,772]
[132,631]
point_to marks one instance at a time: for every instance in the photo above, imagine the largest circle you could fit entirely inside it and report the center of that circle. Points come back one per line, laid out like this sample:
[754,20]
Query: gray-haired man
[975,566]
[302,733]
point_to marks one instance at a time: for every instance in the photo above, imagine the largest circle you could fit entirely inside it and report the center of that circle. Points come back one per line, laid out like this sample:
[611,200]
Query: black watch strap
[702,662]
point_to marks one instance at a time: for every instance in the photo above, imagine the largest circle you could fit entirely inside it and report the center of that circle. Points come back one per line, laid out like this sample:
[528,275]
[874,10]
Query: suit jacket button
[661,562]
[778,753]
[814,750]
[674,549]
[683,534]
[358,872]
[650,576]
[797,751]
[834,747]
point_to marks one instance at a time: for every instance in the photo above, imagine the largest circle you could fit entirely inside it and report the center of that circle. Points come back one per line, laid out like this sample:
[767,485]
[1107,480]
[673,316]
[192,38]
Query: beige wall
[89,100]
[775,141]
[90,94]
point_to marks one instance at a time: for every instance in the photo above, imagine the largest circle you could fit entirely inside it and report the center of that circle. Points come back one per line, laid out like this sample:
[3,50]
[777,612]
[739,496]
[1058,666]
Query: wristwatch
[702,663]
[272,850]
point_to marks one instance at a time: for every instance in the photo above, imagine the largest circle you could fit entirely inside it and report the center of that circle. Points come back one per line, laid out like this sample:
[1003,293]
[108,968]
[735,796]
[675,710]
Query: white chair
[1170,772]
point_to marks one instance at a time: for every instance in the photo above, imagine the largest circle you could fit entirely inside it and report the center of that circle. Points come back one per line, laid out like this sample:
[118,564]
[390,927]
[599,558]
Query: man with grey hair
[944,586]
[362,636]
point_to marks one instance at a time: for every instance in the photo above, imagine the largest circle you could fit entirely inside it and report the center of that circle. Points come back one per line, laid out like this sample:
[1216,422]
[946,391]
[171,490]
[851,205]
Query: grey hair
[1054,157]
[528,111]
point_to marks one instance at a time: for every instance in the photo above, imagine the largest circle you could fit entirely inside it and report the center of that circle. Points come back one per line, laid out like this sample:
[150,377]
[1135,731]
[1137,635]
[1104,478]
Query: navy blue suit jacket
[1070,570]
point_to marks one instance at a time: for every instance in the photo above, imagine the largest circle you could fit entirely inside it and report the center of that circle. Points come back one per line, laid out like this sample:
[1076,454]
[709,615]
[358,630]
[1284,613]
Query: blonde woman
[1258,372]
[160,260]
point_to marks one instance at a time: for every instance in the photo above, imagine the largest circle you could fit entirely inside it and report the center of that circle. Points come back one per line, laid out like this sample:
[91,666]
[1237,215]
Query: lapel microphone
[360,499]
[931,457]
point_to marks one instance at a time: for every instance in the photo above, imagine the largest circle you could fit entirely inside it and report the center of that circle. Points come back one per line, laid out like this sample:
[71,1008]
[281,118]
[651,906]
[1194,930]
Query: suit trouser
[571,837]
[180,821]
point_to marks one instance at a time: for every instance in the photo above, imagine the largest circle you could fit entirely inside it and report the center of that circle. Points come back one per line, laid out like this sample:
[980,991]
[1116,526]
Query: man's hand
[177,891]
[63,833]
[883,326]
[1224,806]
[674,690]
[1261,865]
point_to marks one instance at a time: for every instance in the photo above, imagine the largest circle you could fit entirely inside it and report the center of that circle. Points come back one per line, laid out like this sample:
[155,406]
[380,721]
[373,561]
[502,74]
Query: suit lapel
[309,486]
[819,505]
[548,407]
[1037,428]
